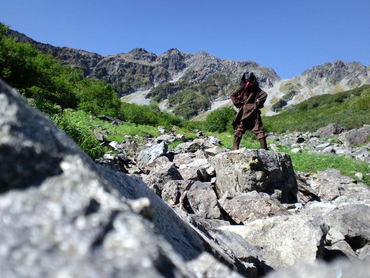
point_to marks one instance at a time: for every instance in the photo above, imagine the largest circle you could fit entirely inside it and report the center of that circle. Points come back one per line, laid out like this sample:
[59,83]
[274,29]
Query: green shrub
[76,125]
[220,120]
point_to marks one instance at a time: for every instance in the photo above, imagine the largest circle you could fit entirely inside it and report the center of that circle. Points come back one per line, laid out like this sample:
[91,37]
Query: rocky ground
[332,139]
[199,210]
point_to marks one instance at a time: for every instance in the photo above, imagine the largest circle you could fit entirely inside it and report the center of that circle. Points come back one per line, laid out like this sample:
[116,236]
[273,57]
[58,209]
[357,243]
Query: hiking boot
[263,143]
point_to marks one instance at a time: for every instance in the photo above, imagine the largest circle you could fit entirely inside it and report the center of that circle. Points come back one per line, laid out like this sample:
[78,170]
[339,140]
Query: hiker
[249,98]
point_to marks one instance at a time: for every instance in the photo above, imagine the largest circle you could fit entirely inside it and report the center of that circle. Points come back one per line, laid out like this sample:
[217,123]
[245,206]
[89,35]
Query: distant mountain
[190,84]
[328,78]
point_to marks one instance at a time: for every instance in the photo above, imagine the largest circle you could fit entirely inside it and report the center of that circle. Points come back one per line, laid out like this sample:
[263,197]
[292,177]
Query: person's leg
[260,133]
[238,135]
[263,143]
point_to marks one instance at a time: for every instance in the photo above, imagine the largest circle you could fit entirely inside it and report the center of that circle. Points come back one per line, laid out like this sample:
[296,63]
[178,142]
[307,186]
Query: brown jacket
[249,104]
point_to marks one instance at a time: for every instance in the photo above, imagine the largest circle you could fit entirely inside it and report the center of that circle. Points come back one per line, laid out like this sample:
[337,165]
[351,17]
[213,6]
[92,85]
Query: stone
[306,193]
[196,170]
[147,156]
[112,120]
[206,266]
[338,269]
[296,150]
[191,147]
[360,176]
[246,170]
[322,147]
[356,136]
[173,190]
[330,184]
[203,200]
[250,206]
[284,240]
[329,130]
[215,150]
[161,174]
[167,138]
[364,252]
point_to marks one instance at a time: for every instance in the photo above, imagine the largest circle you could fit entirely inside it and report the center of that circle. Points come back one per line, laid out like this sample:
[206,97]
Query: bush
[76,125]
[220,120]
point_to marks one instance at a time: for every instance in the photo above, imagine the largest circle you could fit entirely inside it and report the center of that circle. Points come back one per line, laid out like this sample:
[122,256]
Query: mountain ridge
[190,84]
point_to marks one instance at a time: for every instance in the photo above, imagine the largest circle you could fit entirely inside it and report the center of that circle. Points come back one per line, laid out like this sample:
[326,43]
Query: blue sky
[289,36]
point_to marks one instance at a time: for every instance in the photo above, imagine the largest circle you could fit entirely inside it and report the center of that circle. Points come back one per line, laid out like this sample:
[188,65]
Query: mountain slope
[328,78]
[190,84]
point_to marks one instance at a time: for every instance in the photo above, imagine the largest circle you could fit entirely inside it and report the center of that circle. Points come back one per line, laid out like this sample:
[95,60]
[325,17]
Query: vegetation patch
[350,109]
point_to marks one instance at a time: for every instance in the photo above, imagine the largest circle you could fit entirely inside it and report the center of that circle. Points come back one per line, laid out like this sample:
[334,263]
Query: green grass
[312,163]
[351,109]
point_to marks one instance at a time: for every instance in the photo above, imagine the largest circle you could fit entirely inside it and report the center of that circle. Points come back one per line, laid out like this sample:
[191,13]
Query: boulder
[194,166]
[305,192]
[283,240]
[246,170]
[329,130]
[203,200]
[338,269]
[250,206]
[206,266]
[191,147]
[160,173]
[356,136]
[173,190]
[147,156]
[330,184]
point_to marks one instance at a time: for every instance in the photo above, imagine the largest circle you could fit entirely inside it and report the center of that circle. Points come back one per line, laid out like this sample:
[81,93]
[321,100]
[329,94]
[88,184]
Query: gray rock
[250,206]
[203,200]
[173,190]
[206,266]
[364,252]
[191,147]
[356,136]
[160,174]
[236,244]
[305,192]
[338,269]
[330,184]
[329,130]
[284,240]
[168,138]
[322,146]
[149,155]
[215,150]
[247,170]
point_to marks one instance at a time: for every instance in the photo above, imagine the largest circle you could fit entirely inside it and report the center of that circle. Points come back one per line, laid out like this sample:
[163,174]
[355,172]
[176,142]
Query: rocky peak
[141,54]
[173,60]
[336,72]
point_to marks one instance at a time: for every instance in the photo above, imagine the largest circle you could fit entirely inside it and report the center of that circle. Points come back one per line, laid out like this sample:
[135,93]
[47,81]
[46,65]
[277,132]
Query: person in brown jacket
[249,98]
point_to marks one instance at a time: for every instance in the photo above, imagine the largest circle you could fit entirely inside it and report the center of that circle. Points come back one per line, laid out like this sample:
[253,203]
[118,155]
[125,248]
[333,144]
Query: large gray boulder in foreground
[64,216]
[246,170]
